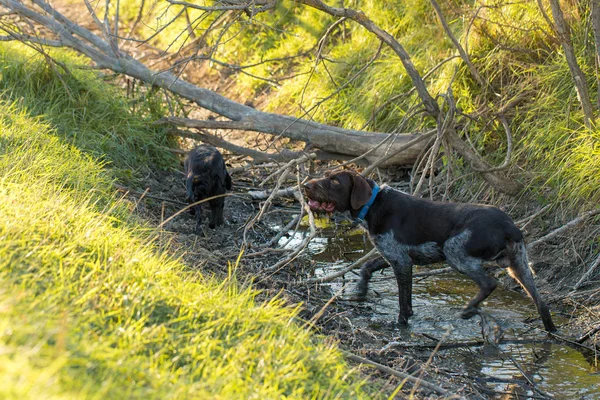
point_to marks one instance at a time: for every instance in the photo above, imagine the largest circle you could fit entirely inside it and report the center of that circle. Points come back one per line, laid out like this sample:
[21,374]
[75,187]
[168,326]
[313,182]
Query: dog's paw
[469,312]
[402,321]
[361,292]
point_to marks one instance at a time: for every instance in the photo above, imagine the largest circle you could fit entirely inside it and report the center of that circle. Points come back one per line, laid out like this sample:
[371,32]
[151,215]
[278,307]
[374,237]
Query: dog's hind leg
[520,271]
[366,271]
[458,258]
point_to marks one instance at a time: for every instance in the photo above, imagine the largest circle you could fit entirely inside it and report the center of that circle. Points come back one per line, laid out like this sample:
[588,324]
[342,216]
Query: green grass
[89,308]
[86,111]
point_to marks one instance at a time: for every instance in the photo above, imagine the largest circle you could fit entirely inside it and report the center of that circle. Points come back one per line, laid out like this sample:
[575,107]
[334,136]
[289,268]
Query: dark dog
[206,176]
[407,230]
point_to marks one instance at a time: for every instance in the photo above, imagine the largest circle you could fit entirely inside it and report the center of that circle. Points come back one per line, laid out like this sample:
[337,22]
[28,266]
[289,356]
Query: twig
[136,193]
[414,380]
[192,205]
[528,378]
[263,195]
[572,341]
[589,273]
[386,157]
[320,313]
[285,230]
[509,148]
[454,345]
[570,225]
[289,165]
[588,334]
[300,248]
[526,221]
[343,272]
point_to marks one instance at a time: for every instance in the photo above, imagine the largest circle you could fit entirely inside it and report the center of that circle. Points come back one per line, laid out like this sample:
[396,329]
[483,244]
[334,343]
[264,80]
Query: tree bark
[562,29]
[344,142]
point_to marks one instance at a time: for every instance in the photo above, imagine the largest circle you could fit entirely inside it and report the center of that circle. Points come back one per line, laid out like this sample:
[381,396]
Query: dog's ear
[361,192]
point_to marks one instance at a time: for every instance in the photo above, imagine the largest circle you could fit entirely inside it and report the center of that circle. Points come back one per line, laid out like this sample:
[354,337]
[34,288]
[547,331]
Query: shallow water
[555,368]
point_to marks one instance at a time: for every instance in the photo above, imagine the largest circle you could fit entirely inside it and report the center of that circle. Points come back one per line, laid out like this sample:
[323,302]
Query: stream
[557,369]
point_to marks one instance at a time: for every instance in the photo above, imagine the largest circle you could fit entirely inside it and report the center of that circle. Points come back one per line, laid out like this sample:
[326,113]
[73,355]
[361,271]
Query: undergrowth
[89,308]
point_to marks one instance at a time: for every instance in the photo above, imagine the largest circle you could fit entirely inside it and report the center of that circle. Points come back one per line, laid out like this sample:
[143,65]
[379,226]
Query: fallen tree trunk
[344,142]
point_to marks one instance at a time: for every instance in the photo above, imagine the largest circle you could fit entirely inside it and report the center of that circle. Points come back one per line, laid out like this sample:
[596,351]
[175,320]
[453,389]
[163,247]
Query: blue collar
[365,208]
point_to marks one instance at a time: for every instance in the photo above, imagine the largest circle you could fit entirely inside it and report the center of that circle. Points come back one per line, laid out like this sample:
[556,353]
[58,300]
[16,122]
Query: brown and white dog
[411,231]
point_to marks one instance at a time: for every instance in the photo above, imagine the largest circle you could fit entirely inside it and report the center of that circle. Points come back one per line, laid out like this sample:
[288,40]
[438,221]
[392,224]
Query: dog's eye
[335,181]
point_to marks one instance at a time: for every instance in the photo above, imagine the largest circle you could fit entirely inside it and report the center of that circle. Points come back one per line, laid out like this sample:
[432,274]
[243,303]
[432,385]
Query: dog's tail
[521,271]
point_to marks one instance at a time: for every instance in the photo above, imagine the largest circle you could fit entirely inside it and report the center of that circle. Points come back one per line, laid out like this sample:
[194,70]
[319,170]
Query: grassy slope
[88,307]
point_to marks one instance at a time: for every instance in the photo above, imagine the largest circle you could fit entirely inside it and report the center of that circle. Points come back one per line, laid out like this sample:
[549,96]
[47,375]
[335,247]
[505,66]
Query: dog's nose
[308,185]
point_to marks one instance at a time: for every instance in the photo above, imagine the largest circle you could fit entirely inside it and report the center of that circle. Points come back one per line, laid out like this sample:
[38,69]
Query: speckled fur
[407,230]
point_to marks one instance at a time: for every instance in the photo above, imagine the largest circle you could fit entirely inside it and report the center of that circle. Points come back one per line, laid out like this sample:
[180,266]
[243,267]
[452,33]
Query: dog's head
[338,191]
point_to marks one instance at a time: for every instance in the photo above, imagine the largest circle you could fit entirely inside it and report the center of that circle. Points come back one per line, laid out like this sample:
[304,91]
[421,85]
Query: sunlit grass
[89,308]
[86,111]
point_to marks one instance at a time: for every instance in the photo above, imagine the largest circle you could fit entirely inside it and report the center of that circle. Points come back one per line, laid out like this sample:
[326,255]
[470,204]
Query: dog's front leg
[366,271]
[216,212]
[403,272]
[198,213]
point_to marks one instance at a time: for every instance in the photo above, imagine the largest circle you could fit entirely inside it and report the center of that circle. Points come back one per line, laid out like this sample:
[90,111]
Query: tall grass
[89,308]
[86,111]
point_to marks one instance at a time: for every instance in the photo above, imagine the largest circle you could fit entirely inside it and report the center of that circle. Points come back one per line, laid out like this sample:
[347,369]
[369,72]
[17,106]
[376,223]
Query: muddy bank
[463,364]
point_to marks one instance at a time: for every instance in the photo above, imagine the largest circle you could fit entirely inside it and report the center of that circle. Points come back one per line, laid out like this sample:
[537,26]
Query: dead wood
[562,29]
[313,232]
[455,345]
[497,181]
[291,192]
[417,382]
[588,334]
[570,225]
[356,264]
[105,52]
[403,150]
[588,273]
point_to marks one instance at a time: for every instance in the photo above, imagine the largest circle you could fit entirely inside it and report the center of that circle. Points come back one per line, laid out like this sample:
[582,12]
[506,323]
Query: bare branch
[28,38]
[362,19]
[250,5]
[404,150]
[562,28]
[463,54]
[570,225]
